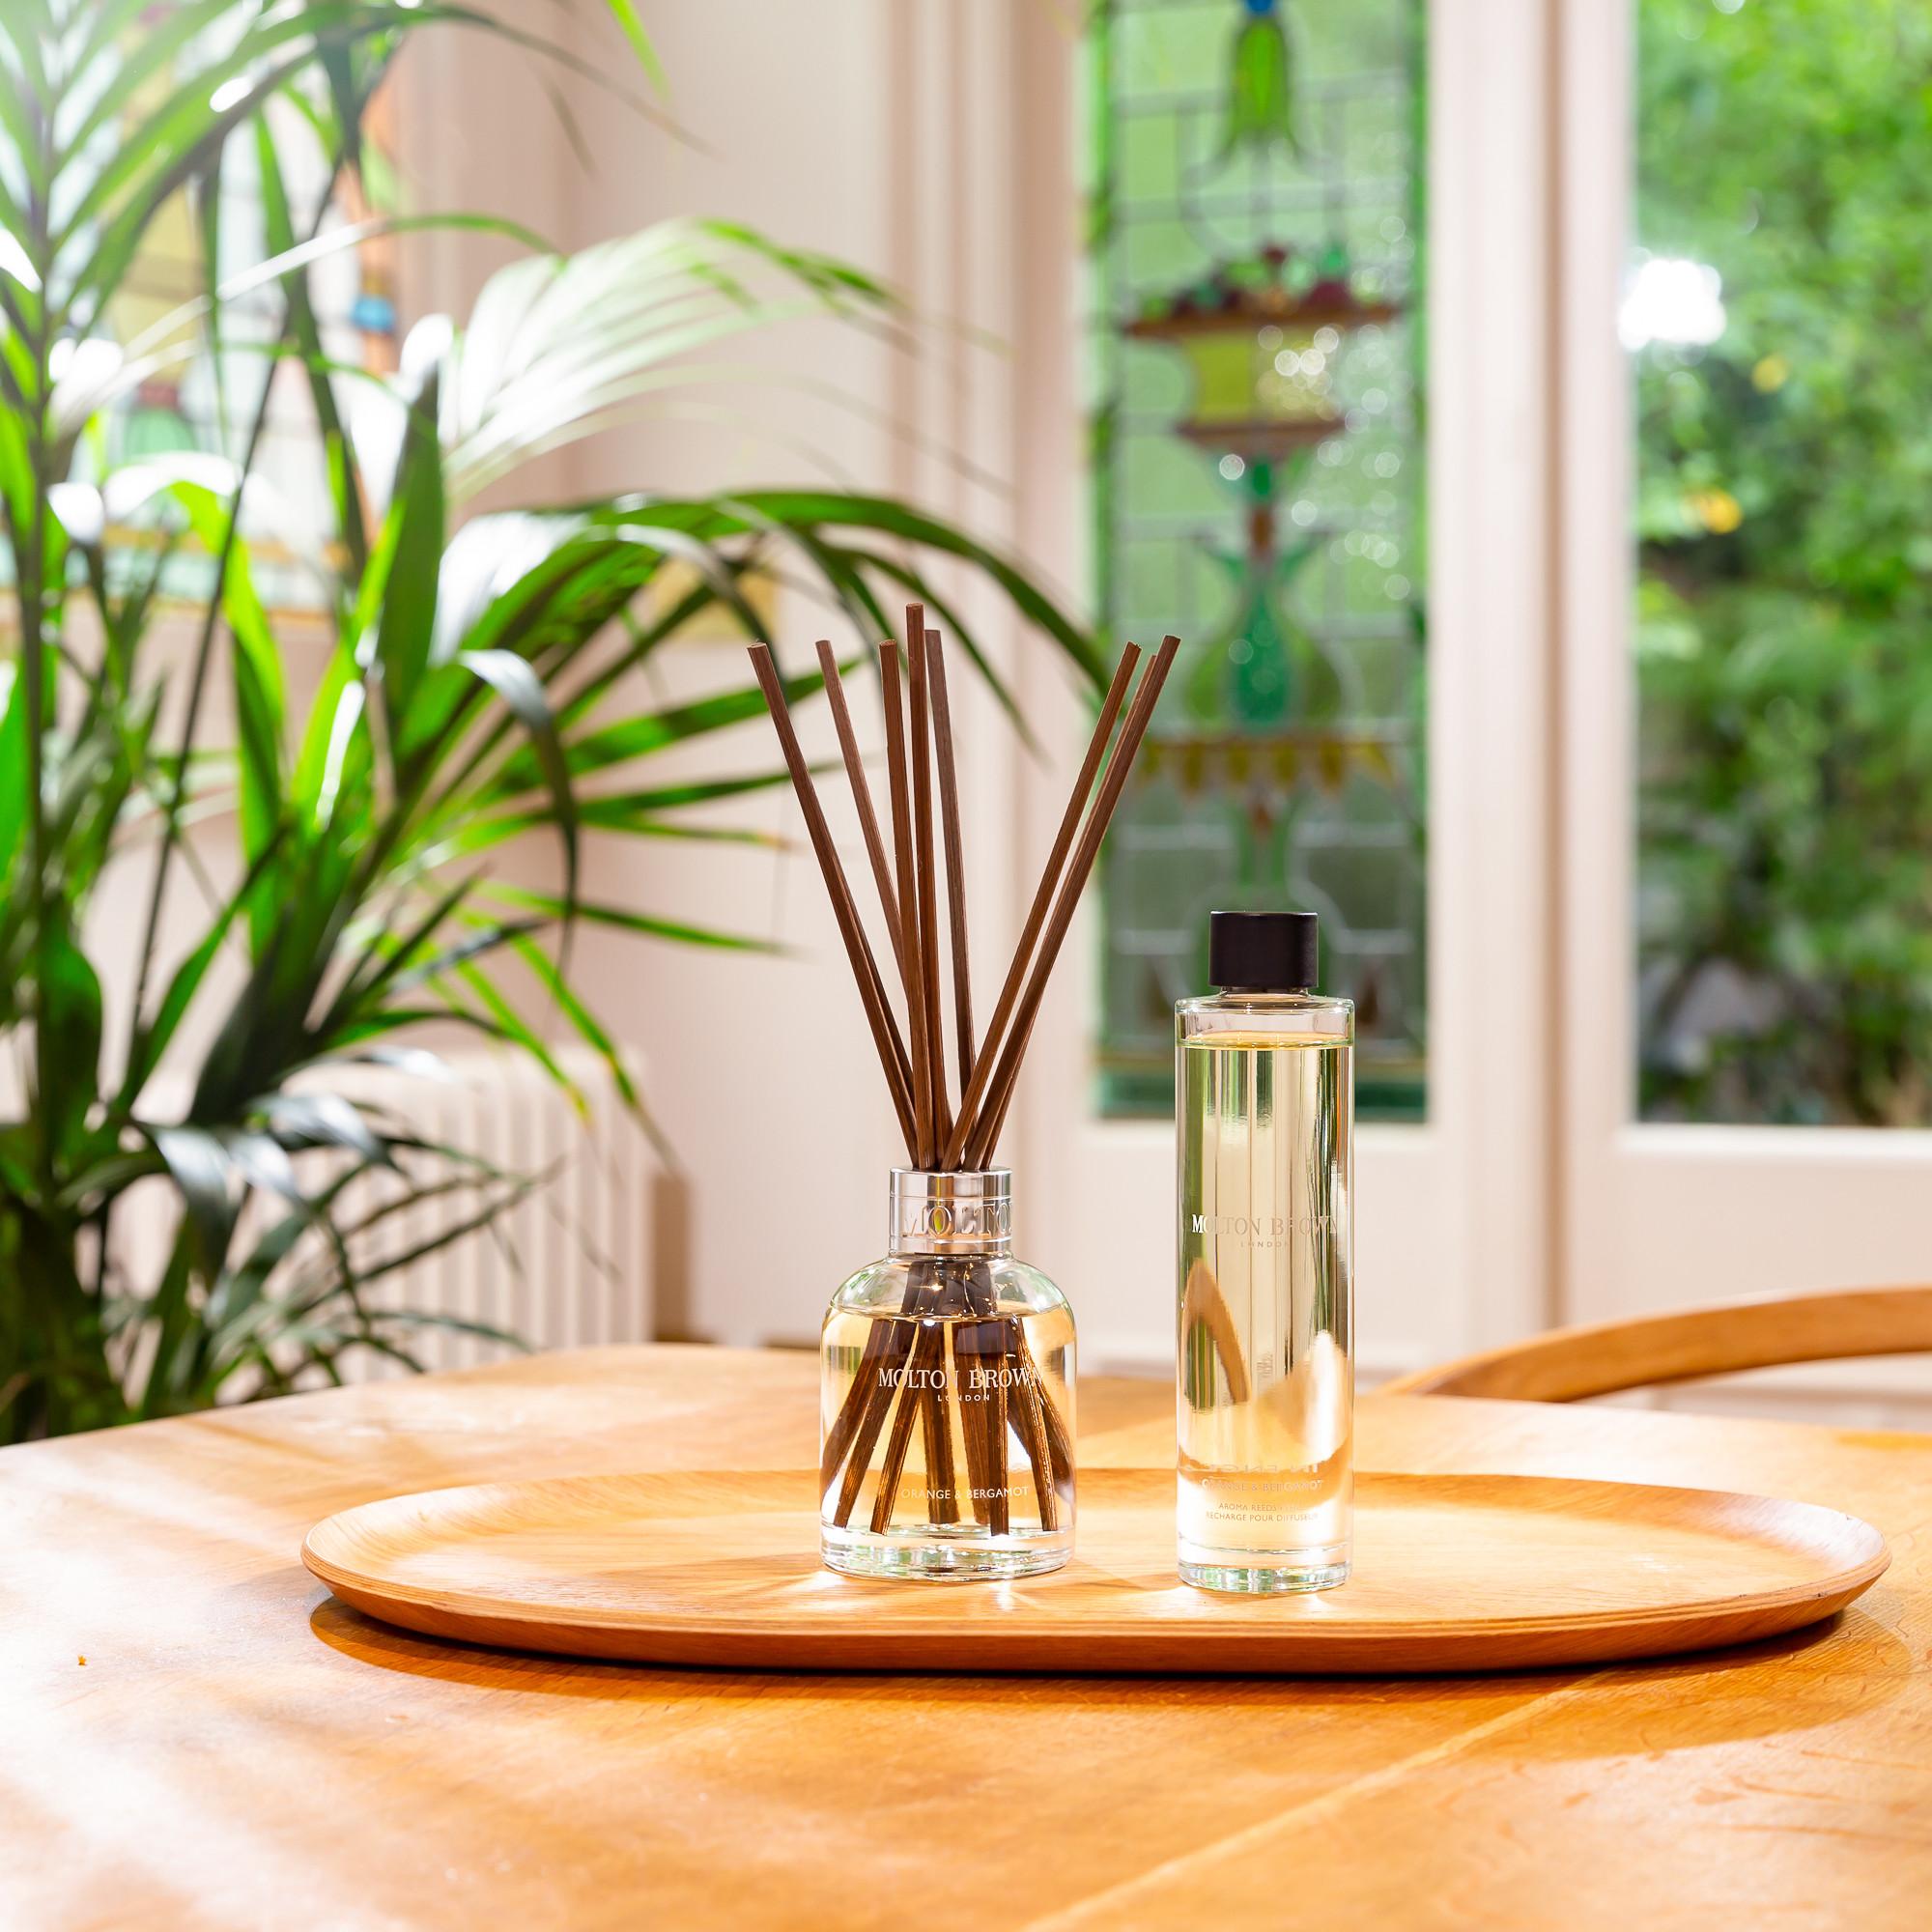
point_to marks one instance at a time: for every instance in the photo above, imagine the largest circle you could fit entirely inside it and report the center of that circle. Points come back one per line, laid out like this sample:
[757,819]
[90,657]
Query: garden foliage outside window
[1780,315]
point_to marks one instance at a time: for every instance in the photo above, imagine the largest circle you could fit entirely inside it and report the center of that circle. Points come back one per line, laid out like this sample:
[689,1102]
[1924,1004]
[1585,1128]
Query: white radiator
[567,1266]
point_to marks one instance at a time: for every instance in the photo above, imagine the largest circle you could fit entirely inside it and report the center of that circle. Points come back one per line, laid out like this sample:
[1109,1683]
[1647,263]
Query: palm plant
[474,692]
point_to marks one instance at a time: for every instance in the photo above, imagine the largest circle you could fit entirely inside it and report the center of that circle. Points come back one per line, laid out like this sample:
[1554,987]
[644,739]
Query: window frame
[1659,1215]
[1456,1223]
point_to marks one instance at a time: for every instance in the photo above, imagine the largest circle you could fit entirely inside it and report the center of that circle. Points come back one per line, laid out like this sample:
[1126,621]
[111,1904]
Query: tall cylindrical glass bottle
[1264,1078]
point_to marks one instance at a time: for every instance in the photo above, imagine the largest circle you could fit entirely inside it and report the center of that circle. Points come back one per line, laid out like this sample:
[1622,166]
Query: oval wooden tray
[1451,1572]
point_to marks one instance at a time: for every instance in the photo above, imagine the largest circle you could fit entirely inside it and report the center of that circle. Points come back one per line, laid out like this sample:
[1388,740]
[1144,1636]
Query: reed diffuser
[947,1368]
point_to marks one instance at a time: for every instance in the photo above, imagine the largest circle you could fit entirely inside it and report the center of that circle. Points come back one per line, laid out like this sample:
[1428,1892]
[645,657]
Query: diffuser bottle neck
[935,1214]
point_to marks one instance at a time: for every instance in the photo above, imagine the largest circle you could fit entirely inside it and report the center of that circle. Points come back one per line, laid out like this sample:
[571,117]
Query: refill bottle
[1265,1378]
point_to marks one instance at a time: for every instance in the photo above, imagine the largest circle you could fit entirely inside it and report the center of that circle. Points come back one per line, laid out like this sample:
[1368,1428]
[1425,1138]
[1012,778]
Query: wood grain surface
[238,1750]
[1451,1572]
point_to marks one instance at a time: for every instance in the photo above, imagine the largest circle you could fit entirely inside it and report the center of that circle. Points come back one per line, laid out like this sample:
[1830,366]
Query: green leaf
[637,812]
[338,66]
[262,1162]
[641,46]
[594,1035]
[562,346]
[399,593]
[956,627]
[324,1120]
[626,920]
[826,509]
[630,738]
[139,64]
[520,688]
[150,163]
[516,1028]
[338,453]
[151,1043]
[257,669]
[668,798]
[16,477]
[202,1171]
[334,747]
[486,940]
[718,572]
[15,764]
[609,815]
[417,1062]
[384,961]
[68,1048]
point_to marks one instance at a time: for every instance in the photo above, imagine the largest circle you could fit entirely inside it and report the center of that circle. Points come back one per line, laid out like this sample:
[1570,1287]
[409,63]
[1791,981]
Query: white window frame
[1455,1222]
[1531,1194]
[1657,1216]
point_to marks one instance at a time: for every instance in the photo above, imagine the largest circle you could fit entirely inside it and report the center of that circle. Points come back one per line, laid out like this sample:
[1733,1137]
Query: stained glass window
[1256,296]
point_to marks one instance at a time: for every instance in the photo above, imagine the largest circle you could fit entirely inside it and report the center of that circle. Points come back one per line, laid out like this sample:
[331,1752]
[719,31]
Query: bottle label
[1258,1230]
[976,1382]
[963,1220]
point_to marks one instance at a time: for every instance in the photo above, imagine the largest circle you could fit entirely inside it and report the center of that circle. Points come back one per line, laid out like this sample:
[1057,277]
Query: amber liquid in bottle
[947,1422]
[1265,1384]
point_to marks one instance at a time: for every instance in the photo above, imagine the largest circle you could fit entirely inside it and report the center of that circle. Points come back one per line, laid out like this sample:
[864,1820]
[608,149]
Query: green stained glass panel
[1255,292]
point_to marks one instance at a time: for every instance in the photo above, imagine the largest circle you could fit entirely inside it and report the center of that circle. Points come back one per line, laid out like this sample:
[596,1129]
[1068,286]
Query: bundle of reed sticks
[942,1135]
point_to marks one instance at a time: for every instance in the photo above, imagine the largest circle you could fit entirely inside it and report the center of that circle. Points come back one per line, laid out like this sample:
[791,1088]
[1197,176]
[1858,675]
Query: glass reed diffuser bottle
[946,1392]
[947,1396]
[1266,1286]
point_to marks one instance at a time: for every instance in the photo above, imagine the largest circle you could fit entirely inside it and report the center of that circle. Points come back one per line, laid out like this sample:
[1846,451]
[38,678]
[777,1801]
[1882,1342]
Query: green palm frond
[482,686]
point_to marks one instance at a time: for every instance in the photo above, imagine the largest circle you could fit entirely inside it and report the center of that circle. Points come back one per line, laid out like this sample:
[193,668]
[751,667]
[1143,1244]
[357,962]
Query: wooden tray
[1451,1572]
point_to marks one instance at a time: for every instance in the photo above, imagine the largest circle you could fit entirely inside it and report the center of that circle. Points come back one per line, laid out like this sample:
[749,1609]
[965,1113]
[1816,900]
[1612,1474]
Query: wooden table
[193,1734]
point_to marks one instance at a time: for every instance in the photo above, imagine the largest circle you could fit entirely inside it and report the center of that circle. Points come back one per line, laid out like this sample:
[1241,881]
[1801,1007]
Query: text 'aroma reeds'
[948,1367]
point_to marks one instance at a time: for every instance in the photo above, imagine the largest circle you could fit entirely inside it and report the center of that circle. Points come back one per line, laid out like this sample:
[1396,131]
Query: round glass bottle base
[947,1435]
[1265,1573]
[942,1553]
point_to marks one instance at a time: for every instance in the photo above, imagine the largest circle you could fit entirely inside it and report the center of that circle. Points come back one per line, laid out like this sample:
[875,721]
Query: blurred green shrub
[1785,521]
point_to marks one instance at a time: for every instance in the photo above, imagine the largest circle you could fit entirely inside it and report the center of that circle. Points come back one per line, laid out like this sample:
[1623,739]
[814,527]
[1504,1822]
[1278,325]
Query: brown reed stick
[955,853]
[1042,901]
[872,1389]
[1060,1444]
[928,891]
[993,1343]
[924,1147]
[872,1418]
[861,795]
[985,1368]
[864,969]
[837,1441]
[972,1423]
[1030,1422]
[942,1499]
[910,1406]
[871,1398]
[866,1438]
[1000,1088]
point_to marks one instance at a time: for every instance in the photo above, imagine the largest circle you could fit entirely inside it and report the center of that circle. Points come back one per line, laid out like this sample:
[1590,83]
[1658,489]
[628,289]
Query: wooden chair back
[1569,1364]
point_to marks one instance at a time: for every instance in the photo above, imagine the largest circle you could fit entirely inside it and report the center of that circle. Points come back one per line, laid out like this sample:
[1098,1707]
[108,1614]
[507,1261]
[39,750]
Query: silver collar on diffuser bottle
[951,1213]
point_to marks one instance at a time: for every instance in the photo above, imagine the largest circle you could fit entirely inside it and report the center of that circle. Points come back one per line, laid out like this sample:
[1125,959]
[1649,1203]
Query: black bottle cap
[1262,952]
